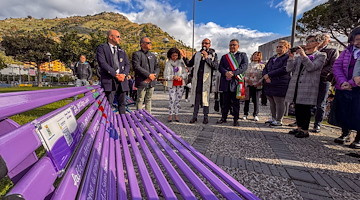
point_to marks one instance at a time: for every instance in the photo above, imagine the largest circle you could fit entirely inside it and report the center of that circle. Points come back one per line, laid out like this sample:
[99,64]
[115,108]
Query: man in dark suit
[146,70]
[231,65]
[114,67]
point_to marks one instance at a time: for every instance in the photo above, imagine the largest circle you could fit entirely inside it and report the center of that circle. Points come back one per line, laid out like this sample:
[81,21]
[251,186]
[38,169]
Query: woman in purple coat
[347,95]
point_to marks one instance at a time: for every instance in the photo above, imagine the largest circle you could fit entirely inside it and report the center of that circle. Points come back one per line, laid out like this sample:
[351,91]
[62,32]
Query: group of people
[301,75]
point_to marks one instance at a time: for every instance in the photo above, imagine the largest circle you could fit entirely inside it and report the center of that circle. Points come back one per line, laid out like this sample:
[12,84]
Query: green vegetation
[337,17]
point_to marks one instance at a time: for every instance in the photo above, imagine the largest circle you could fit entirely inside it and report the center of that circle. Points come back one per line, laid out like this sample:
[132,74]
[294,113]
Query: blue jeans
[321,101]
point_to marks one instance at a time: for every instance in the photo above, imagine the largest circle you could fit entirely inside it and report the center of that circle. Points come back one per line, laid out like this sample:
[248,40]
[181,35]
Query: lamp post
[294,23]
[193,28]
[48,54]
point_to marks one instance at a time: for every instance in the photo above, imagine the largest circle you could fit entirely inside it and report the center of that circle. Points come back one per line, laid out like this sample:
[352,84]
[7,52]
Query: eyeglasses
[146,42]
[310,41]
[280,47]
[205,43]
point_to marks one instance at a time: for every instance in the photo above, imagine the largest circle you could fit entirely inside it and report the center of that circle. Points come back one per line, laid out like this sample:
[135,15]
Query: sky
[253,22]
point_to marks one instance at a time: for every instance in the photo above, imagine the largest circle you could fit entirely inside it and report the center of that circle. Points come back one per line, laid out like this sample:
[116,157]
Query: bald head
[113,37]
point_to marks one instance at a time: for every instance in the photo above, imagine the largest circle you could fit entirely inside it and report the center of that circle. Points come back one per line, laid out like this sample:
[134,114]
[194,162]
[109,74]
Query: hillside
[130,32]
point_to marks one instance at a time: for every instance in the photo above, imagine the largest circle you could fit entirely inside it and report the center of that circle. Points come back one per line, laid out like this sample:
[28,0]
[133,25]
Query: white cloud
[158,12]
[303,5]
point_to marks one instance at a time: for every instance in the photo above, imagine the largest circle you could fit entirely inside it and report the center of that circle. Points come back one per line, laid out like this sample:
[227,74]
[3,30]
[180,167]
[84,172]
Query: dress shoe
[294,131]
[205,121]
[293,124]
[236,123]
[345,137]
[316,128]
[221,121]
[355,145]
[193,120]
[302,134]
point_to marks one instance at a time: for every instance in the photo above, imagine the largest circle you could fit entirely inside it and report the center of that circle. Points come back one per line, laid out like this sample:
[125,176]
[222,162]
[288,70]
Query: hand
[357,80]
[152,77]
[229,74]
[182,53]
[148,80]
[301,51]
[345,86]
[268,80]
[120,77]
[266,76]
[176,78]
[204,53]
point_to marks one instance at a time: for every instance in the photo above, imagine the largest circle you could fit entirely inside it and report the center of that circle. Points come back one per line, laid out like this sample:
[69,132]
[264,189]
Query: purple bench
[102,155]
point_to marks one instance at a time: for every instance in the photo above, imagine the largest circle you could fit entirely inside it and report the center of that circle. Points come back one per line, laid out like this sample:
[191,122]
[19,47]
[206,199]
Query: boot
[356,143]
[345,137]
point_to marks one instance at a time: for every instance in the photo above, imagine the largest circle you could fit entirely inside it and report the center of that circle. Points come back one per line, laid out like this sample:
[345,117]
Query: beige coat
[206,80]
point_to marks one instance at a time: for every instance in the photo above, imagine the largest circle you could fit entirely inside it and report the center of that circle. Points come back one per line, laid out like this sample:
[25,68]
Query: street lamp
[294,23]
[193,28]
[48,54]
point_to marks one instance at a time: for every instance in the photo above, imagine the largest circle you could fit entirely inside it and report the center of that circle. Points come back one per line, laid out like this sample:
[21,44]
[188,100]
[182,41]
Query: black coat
[224,66]
[144,64]
[278,75]
[105,60]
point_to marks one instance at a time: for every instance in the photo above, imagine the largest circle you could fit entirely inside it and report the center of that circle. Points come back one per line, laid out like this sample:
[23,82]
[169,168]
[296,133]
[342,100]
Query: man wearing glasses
[114,67]
[146,69]
[203,63]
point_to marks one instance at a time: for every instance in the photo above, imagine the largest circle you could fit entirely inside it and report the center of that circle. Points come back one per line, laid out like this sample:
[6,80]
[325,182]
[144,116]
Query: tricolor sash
[232,61]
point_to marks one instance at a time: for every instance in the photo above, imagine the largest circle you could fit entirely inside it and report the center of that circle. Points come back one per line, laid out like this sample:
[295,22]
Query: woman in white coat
[175,73]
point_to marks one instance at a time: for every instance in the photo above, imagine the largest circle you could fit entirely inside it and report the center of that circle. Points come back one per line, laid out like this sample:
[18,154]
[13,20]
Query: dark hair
[354,32]
[256,53]
[173,50]
[316,37]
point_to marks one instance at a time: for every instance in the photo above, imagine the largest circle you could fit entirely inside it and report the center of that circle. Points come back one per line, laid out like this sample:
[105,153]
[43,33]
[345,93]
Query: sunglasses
[205,43]
[146,42]
[117,36]
[232,44]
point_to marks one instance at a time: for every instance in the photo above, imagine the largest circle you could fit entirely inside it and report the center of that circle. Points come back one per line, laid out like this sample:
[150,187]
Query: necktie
[116,59]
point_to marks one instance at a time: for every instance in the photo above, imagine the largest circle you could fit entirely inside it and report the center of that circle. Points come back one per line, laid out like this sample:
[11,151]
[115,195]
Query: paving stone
[300,175]
[342,183]
[319,179]
[242,164]
[351,184]
[257,167]
[213,158]
[291,163]
[283,172]
[330,181]
[220,160]
[265,169]
[234,163]
[321,192]
[227,161]
[249,165]
[307,195]
[274,170]
[309,185]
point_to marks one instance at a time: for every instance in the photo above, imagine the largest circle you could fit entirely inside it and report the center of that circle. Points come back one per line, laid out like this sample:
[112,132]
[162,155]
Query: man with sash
[231,66]
[203,63]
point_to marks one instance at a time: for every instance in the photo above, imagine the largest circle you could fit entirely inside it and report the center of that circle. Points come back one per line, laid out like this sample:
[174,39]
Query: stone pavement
[268,161]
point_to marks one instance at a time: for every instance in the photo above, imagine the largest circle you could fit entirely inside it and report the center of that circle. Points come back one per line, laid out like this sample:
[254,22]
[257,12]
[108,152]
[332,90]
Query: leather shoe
[316,129]
[236,123]
[355,145]
[294,131]
[205,121]
[221,121]
[293,124]
[342,139]
[302,134]
[193,120]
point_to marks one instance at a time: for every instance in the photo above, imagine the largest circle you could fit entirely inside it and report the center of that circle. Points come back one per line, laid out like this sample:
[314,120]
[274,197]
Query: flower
[311,57]
[176,69]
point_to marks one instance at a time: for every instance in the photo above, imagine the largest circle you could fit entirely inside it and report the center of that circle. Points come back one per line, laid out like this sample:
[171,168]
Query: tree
[71,46]
[29,47]
[337,17]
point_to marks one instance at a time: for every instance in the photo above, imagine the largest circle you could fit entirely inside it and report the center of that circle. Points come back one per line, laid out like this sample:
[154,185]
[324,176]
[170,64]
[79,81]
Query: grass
[25,117]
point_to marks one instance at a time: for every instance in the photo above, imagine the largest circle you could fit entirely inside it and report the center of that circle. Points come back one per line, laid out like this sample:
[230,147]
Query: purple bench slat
[230,180]
[70,183]
[144,173]
[15,104]
[121,187]
[45,174]
[112,160]
[204,191]
[174,175]
[88,185]
[164,185]
[133,183]
[214,180]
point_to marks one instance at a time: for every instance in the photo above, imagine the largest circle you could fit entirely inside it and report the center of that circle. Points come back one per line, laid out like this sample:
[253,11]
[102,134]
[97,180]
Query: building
[268,49]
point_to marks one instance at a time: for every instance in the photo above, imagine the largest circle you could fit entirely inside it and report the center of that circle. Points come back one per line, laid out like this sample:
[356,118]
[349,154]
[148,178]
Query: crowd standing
[301,76]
